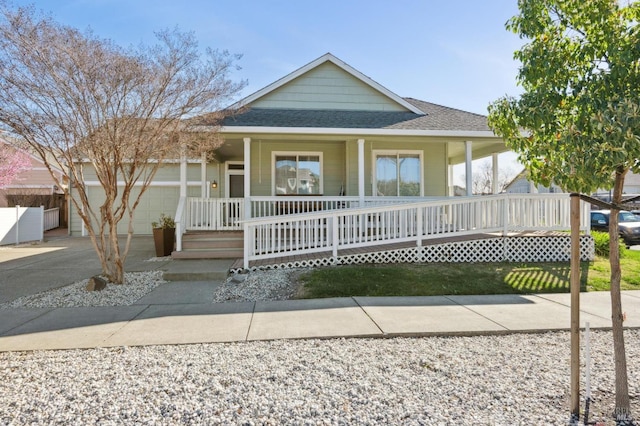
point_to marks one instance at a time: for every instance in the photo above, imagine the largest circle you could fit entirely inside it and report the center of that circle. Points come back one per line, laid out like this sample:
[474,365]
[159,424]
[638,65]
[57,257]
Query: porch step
[220,253]
[208,235]
[211,245]
[198,270]
[214,243]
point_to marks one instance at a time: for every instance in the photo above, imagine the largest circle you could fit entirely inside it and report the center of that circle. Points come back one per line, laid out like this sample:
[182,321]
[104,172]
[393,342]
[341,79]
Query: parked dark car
[629,225]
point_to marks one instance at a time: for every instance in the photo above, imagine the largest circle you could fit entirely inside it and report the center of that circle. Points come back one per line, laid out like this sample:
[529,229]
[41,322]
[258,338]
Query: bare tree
[80,100]
[482,179]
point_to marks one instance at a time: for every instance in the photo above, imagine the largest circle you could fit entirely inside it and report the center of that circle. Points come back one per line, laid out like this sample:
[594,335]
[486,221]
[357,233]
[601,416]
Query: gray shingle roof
[436,117]
[439,117]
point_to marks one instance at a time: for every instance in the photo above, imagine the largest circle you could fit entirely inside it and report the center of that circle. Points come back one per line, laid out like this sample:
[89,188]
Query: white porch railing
[208,214]
[280,226]
[333,230]
[224,214]
[285,205]
[51,218]
[227,214]
[214,214]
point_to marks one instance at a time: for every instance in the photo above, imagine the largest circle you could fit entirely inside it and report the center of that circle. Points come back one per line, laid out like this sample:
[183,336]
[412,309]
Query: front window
[298,173]
[398,174]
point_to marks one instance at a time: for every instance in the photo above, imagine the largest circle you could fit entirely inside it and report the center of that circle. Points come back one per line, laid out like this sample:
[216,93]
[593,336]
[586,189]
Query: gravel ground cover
[276,284]
[520,379]
[137,284]
[252,287]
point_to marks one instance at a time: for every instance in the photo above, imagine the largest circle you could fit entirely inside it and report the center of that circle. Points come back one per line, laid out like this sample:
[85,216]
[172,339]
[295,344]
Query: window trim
[374,181]
[297,154]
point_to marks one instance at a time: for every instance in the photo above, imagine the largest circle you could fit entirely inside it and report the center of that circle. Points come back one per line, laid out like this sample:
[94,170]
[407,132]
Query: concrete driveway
[31,268]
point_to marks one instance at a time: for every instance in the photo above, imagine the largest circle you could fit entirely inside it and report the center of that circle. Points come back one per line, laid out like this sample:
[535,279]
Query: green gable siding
[327,87]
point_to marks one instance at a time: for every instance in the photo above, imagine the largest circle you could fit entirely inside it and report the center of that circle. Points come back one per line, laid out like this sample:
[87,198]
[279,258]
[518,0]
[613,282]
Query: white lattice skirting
[499,249]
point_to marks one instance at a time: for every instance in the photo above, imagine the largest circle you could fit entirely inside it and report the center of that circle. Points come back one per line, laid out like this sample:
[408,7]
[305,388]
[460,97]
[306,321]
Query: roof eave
[355,131]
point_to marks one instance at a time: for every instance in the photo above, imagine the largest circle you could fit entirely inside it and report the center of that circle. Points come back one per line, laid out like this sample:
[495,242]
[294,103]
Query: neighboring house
[33,187]
[459,191]
[324,138]
[522,185]
[631,183]
[631,188]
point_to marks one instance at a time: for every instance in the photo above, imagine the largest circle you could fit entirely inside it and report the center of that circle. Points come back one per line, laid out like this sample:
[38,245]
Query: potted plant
[164,235]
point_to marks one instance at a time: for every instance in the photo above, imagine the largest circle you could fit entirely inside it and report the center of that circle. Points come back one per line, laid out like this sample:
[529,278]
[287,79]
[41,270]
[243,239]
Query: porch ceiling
[480,149]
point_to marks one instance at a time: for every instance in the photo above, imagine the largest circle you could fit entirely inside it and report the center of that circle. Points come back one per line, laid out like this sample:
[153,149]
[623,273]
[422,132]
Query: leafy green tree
[577,122]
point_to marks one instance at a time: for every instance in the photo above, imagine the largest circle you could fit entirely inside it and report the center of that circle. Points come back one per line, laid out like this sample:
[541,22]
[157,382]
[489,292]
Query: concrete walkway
[173,314]
[180,323]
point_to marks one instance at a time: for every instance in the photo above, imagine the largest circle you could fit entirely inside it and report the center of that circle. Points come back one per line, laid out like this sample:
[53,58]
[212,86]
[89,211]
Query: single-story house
[325,138]
[522,185]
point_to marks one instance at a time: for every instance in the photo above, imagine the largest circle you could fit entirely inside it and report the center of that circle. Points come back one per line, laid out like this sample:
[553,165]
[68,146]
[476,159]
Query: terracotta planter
[164,239]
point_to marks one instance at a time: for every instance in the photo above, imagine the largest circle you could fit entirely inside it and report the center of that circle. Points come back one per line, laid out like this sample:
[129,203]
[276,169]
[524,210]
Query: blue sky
[455,53]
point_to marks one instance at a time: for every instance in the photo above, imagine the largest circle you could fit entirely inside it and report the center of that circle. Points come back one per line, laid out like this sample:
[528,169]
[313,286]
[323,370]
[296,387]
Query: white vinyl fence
[21,224]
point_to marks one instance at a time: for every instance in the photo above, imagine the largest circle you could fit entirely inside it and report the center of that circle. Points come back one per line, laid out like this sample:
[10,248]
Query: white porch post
[247,178]
[361,171]
[203,175]
[183,171]
[494,170]
[468,158]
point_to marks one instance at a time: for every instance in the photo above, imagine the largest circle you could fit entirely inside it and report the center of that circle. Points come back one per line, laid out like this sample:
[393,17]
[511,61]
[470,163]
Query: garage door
[156,200]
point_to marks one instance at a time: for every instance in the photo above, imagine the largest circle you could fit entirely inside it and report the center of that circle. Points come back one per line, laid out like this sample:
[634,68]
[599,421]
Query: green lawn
[463,278]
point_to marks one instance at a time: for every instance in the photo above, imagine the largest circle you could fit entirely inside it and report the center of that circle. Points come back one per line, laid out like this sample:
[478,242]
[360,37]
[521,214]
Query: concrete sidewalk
[173,312]
[153,324]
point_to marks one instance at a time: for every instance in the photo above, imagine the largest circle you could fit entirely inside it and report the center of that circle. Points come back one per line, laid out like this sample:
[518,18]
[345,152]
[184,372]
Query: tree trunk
[117,261]
[106,246]
[623,408]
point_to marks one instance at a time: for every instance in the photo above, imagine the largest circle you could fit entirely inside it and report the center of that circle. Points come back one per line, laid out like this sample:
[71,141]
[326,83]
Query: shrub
[165,222]
[601,241]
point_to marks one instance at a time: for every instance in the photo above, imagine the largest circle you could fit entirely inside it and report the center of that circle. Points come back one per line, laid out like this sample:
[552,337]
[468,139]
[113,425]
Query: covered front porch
[334,163]
[292,197]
